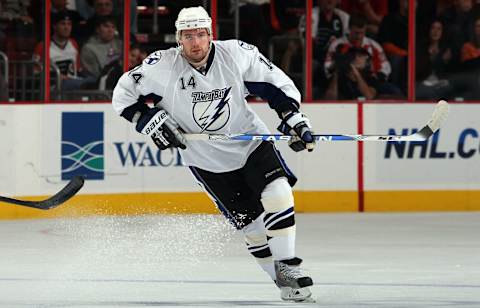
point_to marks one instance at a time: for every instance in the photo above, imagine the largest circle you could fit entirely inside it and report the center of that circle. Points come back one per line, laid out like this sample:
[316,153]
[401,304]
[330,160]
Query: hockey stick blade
[63,195]
[439,115]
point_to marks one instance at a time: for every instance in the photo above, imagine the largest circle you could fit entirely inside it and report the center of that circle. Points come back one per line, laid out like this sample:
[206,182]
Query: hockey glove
[297,125]
[163,130]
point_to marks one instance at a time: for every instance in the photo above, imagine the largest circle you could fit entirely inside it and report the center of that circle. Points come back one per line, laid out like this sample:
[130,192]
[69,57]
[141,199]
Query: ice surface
[356,260]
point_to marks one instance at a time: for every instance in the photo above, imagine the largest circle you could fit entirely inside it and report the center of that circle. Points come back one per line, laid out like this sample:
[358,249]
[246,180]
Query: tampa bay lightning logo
[245,45]
[153,58]
[211,110]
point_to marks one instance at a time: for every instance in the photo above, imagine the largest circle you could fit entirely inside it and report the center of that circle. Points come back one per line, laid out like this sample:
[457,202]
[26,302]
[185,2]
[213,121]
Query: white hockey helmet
[192,18]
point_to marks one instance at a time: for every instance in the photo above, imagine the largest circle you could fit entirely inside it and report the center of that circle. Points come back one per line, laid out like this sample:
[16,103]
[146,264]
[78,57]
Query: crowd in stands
[85,44]
[360,47]
[448,49]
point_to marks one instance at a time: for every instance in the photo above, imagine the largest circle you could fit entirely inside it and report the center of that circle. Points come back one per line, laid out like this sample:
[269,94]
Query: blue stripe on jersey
[217,201]
[276,98]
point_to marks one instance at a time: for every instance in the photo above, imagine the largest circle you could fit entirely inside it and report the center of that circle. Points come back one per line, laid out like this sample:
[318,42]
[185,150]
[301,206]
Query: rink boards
[45,145]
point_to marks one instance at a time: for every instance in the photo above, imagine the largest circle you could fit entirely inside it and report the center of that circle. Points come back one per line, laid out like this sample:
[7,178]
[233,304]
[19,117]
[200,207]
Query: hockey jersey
[66,58]
[212,101]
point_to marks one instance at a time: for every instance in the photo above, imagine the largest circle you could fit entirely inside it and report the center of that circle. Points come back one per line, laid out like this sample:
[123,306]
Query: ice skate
[293,284]
[302,295]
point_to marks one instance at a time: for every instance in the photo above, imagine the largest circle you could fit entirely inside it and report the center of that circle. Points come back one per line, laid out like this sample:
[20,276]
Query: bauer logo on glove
[164,131]
[155,122]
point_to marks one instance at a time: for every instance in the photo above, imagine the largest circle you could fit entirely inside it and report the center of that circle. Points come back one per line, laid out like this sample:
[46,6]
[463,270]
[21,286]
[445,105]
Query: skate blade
[308,300]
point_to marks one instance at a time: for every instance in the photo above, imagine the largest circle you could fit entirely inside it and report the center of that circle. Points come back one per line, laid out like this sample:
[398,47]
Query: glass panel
[86,49]
[156,28]
[447,51]
[360,49]
[272,26]
[20,74]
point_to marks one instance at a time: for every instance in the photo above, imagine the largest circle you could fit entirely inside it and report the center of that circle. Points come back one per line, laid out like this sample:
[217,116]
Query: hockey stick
[439,115]
[63,195]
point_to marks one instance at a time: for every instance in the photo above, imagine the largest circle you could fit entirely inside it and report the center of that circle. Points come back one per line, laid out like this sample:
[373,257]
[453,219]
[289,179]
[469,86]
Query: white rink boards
[42,145]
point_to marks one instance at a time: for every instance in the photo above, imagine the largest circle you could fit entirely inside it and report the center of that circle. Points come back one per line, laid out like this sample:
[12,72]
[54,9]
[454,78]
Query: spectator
[432,64]
[373,10]
[352,77]
[84,8]
[102,8]
[379,65]
[112,73]
[459,20]
[357,38]
[77,21]
[15,18]
[64,52]
[471,49]
[426,13]
[16,11]
[254,14]
[328,24]
[103,49]
[285,18]
[393,35]
[470,67]
[136,56]
[286,14]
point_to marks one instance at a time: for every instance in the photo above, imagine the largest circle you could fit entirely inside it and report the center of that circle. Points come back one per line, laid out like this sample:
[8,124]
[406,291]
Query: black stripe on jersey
[276,98]
[130,111]
[210,59]
[140,106]
[211,55]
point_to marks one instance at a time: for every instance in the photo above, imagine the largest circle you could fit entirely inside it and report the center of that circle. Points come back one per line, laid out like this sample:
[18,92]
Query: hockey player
[200,87]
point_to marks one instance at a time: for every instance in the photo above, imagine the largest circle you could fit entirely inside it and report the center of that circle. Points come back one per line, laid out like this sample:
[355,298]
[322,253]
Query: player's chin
[197,56]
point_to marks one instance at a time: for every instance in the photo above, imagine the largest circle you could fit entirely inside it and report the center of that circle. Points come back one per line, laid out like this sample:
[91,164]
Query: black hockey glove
[297,125]
[163,130]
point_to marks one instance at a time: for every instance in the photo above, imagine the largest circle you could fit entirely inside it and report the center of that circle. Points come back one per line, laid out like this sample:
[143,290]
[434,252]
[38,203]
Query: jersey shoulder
[160,60]
[235,46]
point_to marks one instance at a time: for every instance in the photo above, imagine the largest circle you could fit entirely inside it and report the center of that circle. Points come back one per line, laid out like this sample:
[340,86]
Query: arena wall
[44,145]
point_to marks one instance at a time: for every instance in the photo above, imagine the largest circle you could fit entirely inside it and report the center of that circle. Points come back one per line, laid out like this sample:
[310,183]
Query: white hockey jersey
[212,101]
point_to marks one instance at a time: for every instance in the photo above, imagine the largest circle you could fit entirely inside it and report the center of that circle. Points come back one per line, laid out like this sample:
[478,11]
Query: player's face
[196,43]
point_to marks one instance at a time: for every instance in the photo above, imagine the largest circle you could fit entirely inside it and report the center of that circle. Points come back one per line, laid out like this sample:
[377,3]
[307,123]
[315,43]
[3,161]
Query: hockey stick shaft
[439,115]
[62,196]
[324,137]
